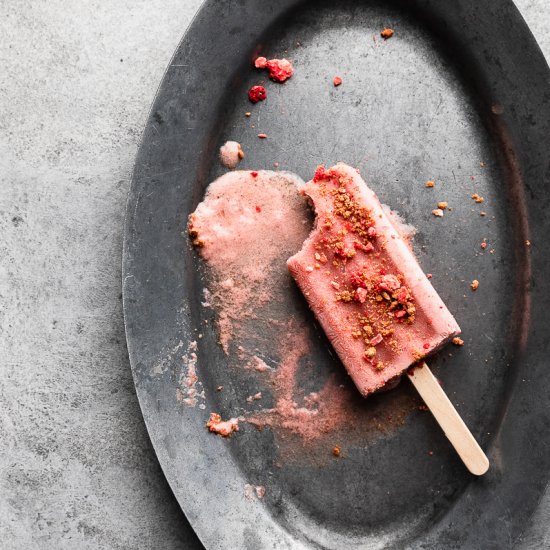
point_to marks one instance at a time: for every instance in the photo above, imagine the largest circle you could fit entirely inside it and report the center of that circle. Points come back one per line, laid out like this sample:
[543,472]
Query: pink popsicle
[364,285]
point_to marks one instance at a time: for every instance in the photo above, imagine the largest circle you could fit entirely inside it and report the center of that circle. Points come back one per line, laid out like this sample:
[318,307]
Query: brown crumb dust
[477,198]
[385,292]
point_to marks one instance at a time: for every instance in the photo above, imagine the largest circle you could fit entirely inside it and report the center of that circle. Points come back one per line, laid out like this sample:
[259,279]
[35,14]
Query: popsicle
[366,288]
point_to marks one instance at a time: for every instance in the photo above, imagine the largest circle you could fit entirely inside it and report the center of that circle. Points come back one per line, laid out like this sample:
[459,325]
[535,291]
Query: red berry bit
[320,174]
[360,295]
[279,69]
[257,93]
[337,81]
[262,136]
[254,174]
[376,340]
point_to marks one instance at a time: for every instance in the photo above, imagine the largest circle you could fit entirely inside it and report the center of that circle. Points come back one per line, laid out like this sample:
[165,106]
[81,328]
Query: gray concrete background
[77,470]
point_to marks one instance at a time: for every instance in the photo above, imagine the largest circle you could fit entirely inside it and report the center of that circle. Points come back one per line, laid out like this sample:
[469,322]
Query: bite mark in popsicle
[371,297]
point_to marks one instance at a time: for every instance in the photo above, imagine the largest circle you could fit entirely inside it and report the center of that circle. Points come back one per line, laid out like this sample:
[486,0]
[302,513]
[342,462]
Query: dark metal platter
[460,95]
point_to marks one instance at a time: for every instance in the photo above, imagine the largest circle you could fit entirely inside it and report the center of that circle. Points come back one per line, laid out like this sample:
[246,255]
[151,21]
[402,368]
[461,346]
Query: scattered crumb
[429,275]
[219,388]
[279,69]
[248,113]
[423,407]
[438,213]
[483,213]
[386,33]
[231,154]
[337,81]
[483,245]
[222,427]
[482,164]
[262,136]
[251,491]
[257,93]
[474,284]
[431,453]
[477,198]
[430,183]
[528,243]
[336,451]
[442,205]
[254,397]
[458,341]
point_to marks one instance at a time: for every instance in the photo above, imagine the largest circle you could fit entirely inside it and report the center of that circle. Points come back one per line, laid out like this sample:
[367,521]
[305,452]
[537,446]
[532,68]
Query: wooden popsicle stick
[448,418]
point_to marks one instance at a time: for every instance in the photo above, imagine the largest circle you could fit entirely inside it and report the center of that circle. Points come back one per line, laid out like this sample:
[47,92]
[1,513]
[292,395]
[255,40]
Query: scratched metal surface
[459,95]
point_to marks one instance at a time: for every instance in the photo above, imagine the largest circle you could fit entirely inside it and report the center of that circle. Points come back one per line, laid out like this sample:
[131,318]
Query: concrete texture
[76,467]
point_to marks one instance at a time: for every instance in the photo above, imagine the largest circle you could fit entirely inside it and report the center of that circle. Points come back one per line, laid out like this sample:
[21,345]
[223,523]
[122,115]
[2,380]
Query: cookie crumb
[430,183]
[458,341]
[222,427]
[438,213]
[442,205]
[478,198]
[336,451]
[474,284]
[387,33]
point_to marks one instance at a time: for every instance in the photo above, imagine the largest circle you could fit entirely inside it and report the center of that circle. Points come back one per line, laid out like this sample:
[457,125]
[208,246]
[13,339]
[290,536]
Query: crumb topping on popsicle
[363,283]
[385,293]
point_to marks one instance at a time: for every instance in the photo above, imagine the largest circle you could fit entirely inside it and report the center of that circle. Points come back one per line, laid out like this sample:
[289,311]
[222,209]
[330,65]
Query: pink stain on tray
[245,229]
